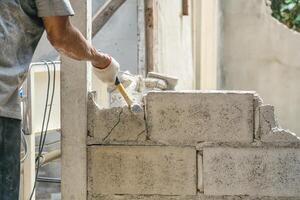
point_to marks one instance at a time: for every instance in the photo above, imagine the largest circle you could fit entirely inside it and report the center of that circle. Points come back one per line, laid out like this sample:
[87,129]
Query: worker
[22,23]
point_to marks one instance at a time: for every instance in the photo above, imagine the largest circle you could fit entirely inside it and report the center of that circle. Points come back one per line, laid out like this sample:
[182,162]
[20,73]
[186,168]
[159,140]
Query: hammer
[134,107]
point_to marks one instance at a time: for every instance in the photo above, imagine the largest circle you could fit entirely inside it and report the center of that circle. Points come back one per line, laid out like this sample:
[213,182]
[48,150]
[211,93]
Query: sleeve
[54,8]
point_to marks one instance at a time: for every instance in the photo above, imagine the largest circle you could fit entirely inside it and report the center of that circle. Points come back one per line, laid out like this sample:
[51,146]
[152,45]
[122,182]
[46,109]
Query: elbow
[57,41]
[58,29]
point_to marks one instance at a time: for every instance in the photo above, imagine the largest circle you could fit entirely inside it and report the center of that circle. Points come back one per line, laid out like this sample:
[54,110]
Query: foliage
[287,12]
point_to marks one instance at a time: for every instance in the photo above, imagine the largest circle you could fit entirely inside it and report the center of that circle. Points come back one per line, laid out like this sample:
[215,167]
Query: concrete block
[142,197]
[252,171]
[114,125]
[196,197]
[191,117]
[257,103]
[279,135]
[242,197]
[267,119]
[141,170]
[269,129]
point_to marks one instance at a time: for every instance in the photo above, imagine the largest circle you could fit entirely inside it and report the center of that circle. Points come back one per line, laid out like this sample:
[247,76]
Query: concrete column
[75,83]
[209,42]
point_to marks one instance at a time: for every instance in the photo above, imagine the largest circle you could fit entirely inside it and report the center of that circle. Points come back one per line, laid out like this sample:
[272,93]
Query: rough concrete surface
[191,117]
[269,129]
[74,80]
[198,197]
[141,170]
[256,104]
[267,119]
[252,171]
[225,145]
[280,135]
[114,125]
[141,197]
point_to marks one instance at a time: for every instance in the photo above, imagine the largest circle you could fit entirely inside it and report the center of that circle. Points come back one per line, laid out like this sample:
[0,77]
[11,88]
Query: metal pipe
[48,180]
[48,157]
[43,63]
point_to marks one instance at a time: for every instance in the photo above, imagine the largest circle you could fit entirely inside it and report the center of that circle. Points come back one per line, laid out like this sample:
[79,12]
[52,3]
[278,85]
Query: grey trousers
[10,136]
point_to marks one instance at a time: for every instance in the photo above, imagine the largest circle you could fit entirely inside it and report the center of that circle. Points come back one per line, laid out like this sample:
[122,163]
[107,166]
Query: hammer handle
[123,92]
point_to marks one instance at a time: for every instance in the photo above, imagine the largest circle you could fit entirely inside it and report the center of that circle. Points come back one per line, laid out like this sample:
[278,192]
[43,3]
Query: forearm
[70,42]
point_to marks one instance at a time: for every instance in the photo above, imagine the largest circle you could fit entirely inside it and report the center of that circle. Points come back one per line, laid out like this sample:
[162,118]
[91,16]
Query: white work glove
[108,75]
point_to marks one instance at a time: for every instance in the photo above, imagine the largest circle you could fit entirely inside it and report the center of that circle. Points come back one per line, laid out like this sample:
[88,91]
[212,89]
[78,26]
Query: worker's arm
[69,41]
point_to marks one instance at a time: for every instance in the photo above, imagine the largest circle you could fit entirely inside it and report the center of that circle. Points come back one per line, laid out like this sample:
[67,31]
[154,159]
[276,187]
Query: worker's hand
[109,73]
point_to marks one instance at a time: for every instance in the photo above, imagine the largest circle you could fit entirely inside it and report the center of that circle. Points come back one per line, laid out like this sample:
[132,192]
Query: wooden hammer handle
[123,92]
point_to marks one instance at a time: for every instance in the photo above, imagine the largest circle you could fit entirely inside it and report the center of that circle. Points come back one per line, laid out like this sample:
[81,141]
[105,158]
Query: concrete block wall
[193,145]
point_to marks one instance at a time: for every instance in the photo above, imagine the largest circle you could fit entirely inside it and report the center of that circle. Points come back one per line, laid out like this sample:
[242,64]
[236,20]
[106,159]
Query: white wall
[174,44]
[119,36]
[261,54]
[38,97]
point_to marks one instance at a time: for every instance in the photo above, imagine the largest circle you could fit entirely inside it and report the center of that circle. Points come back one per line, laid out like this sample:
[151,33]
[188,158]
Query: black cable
[45,109]
[50,108]
[44,132]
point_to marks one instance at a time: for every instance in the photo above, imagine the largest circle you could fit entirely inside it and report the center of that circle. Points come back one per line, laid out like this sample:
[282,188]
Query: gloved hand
[108,75]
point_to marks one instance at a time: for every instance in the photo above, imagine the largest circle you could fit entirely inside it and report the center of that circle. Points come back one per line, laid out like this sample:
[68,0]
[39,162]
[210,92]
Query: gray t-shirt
[21,28]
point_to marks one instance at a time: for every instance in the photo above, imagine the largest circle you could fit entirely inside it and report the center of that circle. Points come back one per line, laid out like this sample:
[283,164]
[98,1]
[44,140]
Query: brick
[256,104]
[267,119]
[196,197]
[191,117]
[142,197]
[252,171]
[114,125]
[141,170]
[269,129]
[243,197]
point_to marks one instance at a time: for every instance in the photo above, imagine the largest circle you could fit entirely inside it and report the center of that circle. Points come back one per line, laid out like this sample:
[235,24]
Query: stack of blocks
[222,145]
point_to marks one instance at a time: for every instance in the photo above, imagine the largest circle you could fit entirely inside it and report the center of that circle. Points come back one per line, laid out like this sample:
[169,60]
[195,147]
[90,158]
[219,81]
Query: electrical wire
[51,104]
[46,119]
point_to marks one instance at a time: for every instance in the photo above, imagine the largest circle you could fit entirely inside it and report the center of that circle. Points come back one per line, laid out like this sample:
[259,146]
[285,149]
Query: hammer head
[136,108]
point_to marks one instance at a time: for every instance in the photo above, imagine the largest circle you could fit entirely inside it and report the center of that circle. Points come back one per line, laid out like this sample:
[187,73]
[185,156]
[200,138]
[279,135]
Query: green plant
[287,12]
